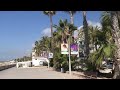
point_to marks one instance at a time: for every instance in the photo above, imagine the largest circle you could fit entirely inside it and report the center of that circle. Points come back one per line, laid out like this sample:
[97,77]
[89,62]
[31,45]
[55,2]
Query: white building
[38,61]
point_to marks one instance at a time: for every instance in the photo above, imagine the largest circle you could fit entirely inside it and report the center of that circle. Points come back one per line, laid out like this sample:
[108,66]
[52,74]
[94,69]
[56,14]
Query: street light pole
[69,56]
[78,43]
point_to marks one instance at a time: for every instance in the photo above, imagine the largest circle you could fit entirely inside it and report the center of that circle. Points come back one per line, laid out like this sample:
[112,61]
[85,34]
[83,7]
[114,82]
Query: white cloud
[80,27]
[33,45]
[94,23]
[47,32]
[75,33]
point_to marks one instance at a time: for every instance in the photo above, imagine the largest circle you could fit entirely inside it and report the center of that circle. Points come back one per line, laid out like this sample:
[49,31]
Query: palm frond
[70,12]
[49,12]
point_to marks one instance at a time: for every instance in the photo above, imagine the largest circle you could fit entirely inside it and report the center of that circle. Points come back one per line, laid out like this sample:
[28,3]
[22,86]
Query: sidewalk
[42,72]
[34,73]
[83,76]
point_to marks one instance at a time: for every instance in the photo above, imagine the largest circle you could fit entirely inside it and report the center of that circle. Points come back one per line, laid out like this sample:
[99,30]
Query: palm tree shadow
[107,75]
[91,74]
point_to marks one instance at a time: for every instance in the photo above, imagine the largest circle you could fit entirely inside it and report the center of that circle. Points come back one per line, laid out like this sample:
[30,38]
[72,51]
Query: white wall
[37,61]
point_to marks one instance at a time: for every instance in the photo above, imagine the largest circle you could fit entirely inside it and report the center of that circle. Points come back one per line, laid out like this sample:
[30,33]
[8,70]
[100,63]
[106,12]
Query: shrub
[57,61]
[51,62]
[45,64]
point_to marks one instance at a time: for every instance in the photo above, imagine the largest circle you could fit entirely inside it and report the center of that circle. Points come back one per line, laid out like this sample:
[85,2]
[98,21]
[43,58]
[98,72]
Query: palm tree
[50,14]
[116,37]
[36,48]
[85,28]
[101,37]
[60,29]
[118,16]
[80,38]
[44,44]
[57,37]
[93,33]
[105,49]
[71,13]
[64,28]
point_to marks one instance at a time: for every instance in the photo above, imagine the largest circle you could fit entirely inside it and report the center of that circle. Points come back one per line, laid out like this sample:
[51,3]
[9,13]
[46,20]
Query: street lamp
[69,55]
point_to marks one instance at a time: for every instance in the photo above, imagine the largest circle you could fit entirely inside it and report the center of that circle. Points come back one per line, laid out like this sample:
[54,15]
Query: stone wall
[3,67]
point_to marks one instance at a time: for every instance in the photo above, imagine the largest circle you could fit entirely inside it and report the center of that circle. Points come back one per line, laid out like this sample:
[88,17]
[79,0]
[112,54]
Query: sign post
[69,57]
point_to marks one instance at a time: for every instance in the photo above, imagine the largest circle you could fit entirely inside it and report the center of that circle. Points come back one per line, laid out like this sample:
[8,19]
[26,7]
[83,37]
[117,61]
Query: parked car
[107,67]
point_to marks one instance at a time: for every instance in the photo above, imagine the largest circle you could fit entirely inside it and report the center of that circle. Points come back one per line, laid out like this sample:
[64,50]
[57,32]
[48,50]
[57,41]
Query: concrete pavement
[34,73]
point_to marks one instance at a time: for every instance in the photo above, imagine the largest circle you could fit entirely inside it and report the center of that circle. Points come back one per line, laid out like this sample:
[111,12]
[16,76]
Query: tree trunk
[118,15]
[116,37]
[72,22]
[71,18]
[51,25]
[85,28]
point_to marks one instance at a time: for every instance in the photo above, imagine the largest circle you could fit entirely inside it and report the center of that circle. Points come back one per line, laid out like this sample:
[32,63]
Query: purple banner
[74,48]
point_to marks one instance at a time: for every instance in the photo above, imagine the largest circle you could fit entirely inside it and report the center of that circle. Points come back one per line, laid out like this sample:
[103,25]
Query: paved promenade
[34,73]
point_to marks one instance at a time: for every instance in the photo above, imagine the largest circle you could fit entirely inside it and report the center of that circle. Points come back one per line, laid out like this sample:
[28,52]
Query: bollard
[62,70]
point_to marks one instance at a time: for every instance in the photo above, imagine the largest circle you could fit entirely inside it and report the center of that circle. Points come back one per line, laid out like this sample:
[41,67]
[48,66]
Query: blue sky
[20,29]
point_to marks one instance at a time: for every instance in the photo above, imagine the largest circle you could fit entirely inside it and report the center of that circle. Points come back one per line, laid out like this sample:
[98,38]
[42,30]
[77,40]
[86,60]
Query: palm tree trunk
[71,18]
[85,28]
[51,25]
[72,22]
[116,36]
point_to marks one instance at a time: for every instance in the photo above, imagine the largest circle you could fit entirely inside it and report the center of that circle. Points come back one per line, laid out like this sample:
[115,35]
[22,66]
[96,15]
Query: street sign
[64,48]
[74,48]
[50,55]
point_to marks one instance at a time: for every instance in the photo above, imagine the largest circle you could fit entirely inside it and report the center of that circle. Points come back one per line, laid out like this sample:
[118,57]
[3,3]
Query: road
[34,73]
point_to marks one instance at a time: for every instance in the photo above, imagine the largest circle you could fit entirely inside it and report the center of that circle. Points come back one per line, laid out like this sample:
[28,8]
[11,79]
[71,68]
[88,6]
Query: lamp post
[78,43]
[69,55]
